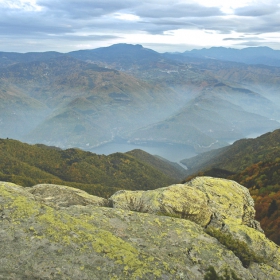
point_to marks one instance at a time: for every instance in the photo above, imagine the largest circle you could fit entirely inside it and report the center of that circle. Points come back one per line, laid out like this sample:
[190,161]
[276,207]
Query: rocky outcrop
[42,240]
[181,201]
[63,196]
[204,200]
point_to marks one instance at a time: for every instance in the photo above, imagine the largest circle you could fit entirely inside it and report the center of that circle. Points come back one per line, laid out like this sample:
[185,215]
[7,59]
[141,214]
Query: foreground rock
[63,196]
[40,241]
[204,200]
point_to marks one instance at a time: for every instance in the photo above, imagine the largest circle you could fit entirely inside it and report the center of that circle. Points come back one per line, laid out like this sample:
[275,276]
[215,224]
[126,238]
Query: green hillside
[255,164]
[97,174]
[239,155]
[171,169]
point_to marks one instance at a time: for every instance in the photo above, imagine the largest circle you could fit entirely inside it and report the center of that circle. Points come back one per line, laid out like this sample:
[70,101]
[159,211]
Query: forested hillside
[100,175]
[255,164]
[171,169]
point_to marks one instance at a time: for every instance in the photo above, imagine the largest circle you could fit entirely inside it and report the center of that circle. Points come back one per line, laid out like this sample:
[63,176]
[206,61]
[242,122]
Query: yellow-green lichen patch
[187,202]
[60,228]
[258,243]
[226,198]
[176,236]
[68,230]
[179,201]
[20,207]
[263,271]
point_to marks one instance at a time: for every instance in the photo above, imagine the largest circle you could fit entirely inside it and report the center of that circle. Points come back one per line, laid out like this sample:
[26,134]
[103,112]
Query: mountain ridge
[250,55]
[97,174]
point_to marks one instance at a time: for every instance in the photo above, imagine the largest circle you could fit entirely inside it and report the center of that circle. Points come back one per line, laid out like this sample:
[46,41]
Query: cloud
[115,21]
[252,43]
[244,38]
[83,9]
[177,10]
[257,11]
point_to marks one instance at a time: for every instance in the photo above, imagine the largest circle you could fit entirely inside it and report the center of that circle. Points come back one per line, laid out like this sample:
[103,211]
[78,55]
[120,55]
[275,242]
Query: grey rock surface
[40,240]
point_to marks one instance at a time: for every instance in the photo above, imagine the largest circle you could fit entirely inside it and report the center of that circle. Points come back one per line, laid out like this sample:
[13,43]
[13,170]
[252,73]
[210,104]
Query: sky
[165,26]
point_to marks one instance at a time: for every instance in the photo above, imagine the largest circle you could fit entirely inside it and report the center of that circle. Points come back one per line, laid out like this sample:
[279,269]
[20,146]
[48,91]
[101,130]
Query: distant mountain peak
[125,45]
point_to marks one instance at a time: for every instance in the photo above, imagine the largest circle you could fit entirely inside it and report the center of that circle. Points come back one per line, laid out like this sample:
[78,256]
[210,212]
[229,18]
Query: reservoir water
[171,152]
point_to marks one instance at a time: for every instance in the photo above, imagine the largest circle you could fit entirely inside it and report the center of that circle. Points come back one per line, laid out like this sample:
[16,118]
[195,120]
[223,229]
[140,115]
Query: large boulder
[181,201]
[203,200]
[63,196]
[210,202]
[39,240]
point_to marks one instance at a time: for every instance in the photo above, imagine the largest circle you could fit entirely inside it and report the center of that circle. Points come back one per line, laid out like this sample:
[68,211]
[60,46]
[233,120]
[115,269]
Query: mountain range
[252,55]
[90,97]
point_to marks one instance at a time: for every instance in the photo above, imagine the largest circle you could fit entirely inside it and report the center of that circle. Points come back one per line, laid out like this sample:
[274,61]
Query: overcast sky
[163,25]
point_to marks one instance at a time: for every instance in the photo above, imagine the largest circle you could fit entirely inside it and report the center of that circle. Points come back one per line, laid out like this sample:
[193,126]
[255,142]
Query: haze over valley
[130,95]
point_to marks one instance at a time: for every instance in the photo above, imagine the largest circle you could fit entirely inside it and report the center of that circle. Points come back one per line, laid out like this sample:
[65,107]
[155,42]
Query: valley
[92,98]
[171,152]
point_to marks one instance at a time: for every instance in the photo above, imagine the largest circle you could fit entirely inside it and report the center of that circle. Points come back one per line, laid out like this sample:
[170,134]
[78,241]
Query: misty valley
[171,152]
[126,96]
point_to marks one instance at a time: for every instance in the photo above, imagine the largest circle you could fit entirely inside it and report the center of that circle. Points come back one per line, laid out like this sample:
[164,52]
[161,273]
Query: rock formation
[57,232]
[204,200]
[62,196]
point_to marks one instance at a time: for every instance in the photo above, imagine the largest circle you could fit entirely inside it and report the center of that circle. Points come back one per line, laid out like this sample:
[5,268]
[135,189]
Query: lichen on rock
[178,200]
[64,196]
[202,200]
[73,238]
